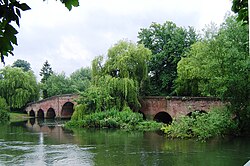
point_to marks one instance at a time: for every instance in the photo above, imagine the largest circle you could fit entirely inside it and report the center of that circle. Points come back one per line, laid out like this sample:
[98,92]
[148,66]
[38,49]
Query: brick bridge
[159,108]
[53,107]
[164,109]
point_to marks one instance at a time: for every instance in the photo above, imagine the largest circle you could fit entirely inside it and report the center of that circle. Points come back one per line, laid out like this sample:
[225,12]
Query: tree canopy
[45,73]
[58,84]
[18,87]
[220,67]
[22,64]
[117,81]
[167,42]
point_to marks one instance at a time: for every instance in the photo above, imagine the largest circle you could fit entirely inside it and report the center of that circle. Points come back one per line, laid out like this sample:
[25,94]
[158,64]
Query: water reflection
[45,142]
[40,144]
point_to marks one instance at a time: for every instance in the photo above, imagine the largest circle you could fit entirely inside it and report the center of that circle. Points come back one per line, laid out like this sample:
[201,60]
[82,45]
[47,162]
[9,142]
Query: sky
[70,40]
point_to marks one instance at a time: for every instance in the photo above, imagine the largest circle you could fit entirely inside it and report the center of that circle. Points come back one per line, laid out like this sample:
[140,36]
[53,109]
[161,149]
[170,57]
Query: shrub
[217,122]
[4,110]
[126,119]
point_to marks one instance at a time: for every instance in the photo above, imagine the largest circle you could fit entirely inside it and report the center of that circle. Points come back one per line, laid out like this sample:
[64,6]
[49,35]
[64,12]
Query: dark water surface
[47,143]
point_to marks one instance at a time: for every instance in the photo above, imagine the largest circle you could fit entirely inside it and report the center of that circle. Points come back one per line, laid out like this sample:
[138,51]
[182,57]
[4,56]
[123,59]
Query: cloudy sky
[70,40]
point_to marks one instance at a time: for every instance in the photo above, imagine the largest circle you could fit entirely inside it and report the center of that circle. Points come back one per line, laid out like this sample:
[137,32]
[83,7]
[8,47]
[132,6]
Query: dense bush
[217,122]
[125,119]
[4,110]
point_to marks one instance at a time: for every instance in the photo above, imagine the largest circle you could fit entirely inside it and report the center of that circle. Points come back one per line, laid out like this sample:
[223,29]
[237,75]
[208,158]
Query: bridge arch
[51,114]
[67,110]
[163,117]
[32,113]
[40,113]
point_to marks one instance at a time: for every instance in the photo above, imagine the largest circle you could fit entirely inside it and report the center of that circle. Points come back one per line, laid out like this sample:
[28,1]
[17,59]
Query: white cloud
[70,40]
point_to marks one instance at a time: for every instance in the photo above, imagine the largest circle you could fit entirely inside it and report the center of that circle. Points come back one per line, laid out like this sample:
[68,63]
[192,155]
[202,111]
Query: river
[45,142]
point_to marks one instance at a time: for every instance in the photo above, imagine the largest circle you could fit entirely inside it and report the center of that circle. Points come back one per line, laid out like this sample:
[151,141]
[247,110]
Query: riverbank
[17,117]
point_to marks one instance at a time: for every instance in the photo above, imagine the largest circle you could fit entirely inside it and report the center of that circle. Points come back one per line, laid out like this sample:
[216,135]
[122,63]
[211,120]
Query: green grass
[17,117]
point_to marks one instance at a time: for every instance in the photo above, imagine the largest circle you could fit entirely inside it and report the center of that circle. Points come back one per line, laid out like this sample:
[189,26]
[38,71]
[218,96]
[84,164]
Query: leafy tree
[22,64]
[58,84]
[220,67]
[167,43]
[124,72]
[117,81]
[241,8]
[46,72]
[18,87]
[81,79]
[10,11]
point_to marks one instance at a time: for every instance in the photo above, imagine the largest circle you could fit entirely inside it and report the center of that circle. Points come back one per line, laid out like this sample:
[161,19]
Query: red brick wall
[55,102]
[176,106]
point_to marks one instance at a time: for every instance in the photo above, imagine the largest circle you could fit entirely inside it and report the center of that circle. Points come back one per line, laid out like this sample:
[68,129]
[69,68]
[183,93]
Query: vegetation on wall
[202,126]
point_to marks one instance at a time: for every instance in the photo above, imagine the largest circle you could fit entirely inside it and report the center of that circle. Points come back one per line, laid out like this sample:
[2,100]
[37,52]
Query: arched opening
[40,113]
[51,113]
[143,115]
[32,113]
[163,117]
[67,110]
[197,112]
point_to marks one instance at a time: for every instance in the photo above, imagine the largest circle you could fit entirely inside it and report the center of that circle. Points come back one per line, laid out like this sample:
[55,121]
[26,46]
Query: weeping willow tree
[116,83]
[18,87]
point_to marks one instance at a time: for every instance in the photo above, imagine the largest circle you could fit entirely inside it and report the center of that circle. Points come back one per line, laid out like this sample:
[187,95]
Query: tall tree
[45,73]
[18,87]
[22,64]
[58,84]
[81,79]
[10,11]
[167,42]
[220,67]
[117,81]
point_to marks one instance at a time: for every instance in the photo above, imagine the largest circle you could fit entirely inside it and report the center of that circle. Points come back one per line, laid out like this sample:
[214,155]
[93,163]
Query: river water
[40,143]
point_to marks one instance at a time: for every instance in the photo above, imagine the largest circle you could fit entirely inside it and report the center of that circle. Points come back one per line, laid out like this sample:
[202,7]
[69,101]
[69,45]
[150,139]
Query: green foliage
[241,8]
[4,110]
[22,64]
[9,11]
[202,126]
[80,79]
[18,87]
[70,3]
[117,82]
[57,84]
[45,73]
[113,118]
[219,66]
[167,42]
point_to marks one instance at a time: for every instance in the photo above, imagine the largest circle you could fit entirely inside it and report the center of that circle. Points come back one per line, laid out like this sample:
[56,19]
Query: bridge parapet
[176,106]
[60,106]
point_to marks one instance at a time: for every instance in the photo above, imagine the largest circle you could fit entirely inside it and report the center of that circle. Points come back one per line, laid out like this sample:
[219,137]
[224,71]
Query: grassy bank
[16,117]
